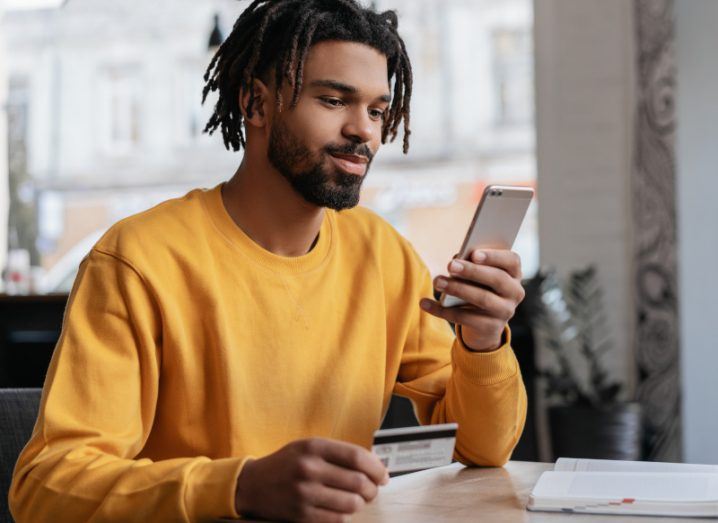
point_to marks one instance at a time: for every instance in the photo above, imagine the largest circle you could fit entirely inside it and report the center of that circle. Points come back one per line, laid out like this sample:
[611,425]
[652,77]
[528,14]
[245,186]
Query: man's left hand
[490,283]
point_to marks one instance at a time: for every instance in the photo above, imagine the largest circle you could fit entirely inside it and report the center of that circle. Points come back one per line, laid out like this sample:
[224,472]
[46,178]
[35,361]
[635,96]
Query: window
[121,92]
[513,76]
[472,123]
[113,119]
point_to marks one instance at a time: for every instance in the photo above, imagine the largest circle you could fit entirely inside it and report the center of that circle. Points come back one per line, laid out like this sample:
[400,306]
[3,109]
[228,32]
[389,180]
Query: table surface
[458,494]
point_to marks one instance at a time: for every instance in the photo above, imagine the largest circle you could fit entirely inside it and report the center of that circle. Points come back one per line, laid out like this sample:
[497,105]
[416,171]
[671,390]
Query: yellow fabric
[186,348]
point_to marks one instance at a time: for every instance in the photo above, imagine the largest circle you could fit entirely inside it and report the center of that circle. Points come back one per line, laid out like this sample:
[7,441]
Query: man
[231,352]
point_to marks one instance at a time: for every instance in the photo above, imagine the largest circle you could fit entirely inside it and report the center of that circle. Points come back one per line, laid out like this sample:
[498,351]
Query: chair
[18,411]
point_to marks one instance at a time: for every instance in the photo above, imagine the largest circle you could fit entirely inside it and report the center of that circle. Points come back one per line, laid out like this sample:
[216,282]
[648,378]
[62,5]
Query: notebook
[627,487]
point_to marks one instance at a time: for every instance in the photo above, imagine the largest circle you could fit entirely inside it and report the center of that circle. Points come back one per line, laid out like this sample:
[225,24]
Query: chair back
[18,412]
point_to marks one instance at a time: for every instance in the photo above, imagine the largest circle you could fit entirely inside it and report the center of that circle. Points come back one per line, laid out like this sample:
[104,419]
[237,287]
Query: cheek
[316,122]
[315,131]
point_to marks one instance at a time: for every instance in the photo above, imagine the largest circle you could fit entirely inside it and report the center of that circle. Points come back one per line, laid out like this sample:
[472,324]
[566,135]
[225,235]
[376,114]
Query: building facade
[107,97]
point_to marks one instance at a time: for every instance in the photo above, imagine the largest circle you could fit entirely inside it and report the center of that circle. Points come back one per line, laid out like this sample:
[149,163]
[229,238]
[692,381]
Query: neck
[266,207]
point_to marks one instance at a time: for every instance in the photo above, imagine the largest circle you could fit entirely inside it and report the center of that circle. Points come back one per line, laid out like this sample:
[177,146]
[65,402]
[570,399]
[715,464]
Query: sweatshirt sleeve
[97,408]
[481,391]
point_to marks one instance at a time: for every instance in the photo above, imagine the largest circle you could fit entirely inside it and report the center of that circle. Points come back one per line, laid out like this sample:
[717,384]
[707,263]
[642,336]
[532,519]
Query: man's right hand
[310,480]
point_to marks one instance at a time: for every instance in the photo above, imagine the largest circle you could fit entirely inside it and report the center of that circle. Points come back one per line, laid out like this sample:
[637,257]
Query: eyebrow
[344,88]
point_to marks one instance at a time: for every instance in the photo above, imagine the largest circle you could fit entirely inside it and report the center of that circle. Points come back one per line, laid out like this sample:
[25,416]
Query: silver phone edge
[521,192]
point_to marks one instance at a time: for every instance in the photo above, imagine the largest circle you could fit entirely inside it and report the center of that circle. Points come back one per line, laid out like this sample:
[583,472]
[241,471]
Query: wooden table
[459,494]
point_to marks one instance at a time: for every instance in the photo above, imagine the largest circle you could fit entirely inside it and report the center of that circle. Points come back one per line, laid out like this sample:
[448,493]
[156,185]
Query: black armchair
[18,412]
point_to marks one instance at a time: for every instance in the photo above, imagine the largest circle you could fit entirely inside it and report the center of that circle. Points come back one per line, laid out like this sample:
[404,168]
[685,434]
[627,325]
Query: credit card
[409,449]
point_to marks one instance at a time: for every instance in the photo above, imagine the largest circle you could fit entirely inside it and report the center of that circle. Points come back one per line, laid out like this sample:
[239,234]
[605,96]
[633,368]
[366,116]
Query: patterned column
[654,218]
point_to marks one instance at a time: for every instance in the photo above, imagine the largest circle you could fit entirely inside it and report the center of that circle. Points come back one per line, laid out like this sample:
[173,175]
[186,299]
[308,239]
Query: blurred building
[4,195]
[105,119]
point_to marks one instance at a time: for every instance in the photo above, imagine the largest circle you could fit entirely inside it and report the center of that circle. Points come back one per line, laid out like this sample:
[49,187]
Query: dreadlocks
[274,37]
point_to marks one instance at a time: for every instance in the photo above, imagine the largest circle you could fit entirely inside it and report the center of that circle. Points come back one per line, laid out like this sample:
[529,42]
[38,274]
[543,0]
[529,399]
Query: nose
[359,127]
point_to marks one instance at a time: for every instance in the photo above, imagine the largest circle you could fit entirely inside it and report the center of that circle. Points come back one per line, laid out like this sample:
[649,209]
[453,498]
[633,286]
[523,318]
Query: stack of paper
[628,487]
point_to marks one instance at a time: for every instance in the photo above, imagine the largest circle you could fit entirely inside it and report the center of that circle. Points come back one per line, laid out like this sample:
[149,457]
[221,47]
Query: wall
[697,184]
[585,98]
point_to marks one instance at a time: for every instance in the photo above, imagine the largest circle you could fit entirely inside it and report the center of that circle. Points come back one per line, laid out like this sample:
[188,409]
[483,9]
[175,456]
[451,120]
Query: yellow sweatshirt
[186,348]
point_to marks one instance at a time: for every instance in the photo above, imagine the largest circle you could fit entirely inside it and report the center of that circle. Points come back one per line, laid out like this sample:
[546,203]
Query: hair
[274,37]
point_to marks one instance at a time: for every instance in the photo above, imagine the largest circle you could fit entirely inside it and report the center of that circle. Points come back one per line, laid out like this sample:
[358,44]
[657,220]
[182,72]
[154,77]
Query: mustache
[349,148]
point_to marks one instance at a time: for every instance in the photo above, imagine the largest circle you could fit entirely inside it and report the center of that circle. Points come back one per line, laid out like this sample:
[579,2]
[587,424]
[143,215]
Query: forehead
[350,63]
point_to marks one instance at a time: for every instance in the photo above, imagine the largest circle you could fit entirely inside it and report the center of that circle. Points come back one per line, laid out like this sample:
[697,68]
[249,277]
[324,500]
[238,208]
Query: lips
[351,163]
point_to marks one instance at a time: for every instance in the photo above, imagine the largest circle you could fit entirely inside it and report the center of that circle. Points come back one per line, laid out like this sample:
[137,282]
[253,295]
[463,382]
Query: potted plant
[586,417]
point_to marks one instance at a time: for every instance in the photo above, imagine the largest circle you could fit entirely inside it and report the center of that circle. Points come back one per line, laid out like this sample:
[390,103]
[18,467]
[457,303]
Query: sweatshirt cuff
[211,488]
[485,368]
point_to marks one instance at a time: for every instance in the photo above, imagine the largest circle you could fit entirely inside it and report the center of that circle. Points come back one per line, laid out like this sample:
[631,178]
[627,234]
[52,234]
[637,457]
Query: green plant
[572,325]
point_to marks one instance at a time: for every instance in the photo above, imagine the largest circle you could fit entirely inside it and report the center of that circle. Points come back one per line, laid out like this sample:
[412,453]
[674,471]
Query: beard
[308,174]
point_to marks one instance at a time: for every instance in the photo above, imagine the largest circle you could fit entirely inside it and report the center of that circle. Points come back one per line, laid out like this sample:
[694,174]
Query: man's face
[324,146]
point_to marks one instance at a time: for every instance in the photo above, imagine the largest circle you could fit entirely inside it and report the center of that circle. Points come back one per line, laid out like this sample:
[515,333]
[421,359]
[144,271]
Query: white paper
[609,465]
[639,486]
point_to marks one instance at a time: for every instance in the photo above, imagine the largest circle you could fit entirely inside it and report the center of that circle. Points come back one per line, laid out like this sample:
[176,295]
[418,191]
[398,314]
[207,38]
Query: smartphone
[495,225]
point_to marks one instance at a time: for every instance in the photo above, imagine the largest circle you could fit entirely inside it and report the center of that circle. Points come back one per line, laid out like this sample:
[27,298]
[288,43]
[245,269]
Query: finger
[463,316]
[502,259]
[335,500]
[497,279]
[348,480]
[352,457]
[484,299]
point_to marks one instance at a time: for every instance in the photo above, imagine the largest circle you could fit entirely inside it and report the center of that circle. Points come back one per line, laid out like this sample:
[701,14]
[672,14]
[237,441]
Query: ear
[255,110]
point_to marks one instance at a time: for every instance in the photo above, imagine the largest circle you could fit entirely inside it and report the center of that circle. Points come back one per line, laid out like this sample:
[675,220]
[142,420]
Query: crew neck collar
[241,241]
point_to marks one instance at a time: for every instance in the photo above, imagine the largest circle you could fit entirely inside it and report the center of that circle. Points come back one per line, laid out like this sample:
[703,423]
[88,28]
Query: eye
[334,102]
[377,114]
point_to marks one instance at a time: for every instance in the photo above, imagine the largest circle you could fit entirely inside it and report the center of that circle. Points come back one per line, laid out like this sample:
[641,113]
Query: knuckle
[356,482]
[494,279]
[481,299]
[370,491]
[355,503]
[302,492]
[355,458]
[508,287]
[521,294]
[305,468]
[311,445]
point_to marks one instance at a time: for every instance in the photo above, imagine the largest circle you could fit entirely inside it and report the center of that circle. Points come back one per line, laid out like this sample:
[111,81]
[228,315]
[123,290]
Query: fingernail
[425,304]
[440,284]
[455,266]
[386,478]
[479,256]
